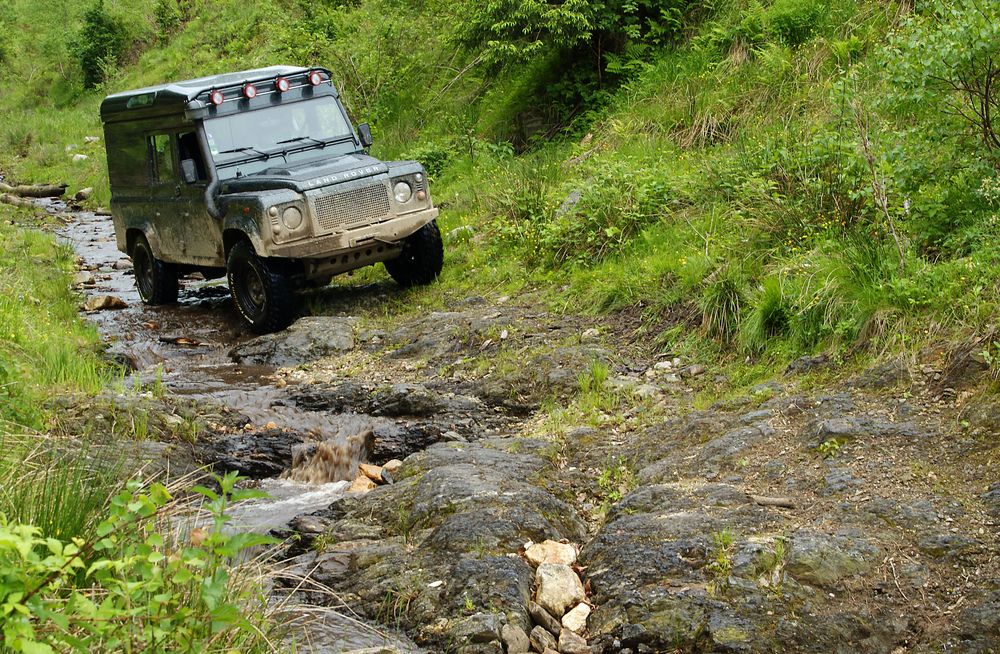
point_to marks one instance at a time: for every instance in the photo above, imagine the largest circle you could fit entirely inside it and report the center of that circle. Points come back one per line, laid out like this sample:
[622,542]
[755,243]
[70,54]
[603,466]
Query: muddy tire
[262,293]
[156,280]
[422,257]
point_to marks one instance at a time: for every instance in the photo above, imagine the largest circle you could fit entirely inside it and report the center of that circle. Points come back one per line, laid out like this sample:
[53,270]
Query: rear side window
[161,156]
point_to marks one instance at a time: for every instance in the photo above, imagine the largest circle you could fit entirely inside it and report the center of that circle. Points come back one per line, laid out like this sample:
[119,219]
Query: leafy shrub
[947,54]
[433,155]
[102,40]
[140,591]
[794,21]
[616,204]
[168,17]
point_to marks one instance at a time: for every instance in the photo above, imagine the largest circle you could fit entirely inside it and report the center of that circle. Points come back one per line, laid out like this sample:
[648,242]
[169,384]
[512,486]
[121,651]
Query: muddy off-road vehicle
[260,176]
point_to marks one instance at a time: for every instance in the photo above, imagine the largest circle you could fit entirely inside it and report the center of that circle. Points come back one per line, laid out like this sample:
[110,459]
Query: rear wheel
[155,279]
[262,293]
[422,258]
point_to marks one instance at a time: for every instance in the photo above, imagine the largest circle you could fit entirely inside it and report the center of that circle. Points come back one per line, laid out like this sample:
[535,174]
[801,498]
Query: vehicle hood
[308,175]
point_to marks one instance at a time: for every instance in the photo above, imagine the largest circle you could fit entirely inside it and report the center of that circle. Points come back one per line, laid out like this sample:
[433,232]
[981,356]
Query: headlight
[402,192]
[292,218]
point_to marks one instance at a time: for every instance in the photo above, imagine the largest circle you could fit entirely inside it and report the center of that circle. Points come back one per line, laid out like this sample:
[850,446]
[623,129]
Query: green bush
[128,587]
[946,57]
[168,17]
[100,44]
[794,21]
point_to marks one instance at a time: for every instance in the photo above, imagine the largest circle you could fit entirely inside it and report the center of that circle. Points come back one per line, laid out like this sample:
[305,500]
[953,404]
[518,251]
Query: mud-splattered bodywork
[321,203]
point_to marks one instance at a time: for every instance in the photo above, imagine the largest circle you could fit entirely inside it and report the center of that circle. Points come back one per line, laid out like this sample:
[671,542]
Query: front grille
[361,205]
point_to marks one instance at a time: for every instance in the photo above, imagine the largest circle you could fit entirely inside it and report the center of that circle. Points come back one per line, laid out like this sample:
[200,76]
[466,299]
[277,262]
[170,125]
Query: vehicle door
[186,232]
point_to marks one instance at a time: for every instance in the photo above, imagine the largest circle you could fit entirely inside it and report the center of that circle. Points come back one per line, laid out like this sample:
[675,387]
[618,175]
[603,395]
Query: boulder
[571,643]
[515,638]
[104,303]
[544,618]
[361,485]
[559,588]
[576,618]
[550,551]
[825,560]
[308,339]
[542,640]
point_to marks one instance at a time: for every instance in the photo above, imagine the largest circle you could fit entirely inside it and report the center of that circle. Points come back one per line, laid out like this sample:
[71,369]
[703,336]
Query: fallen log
[34,190]
[782,502]
[7,198]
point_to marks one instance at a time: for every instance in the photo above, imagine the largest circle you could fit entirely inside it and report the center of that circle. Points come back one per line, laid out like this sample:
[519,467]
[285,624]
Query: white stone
[550,552]
[559,588]
[77,158]
[576,619]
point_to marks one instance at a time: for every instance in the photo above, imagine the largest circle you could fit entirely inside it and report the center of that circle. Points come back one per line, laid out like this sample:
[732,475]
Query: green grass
[720,182]
[46,351]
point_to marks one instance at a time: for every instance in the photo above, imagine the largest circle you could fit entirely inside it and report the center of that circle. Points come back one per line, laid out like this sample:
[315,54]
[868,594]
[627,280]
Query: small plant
[594,379]
[830,447]
[770,564]
[616,480]
[721,565]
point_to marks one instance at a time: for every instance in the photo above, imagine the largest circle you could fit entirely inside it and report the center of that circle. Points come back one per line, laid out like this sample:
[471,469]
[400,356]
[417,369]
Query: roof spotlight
[249,91]
[282,84]
[315,78]
[216,97]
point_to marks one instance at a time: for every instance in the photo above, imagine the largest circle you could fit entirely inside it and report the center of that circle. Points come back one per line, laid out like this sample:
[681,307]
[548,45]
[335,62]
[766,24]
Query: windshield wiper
[246,149]
[321,143]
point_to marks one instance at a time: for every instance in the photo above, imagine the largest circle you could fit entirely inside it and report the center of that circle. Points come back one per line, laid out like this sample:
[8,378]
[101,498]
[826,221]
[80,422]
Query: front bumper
[388,232]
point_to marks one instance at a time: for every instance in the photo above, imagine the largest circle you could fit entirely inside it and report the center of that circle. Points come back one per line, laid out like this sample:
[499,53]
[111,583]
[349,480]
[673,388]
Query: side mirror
[189,171]
[365,134]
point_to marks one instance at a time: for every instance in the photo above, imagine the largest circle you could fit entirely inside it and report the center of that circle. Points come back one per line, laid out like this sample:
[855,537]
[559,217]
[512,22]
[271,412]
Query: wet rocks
[559,588]
[104,303]
[457,513]
[308,339]
[257,455]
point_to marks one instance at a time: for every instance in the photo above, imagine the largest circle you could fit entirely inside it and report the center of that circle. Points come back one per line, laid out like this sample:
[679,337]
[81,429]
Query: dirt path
[517,425]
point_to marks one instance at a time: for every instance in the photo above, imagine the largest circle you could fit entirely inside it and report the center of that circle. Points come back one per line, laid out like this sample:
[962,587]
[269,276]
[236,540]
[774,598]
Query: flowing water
[185,347]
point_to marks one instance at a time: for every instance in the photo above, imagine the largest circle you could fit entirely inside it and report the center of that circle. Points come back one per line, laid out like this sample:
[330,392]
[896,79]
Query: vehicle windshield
[248,142]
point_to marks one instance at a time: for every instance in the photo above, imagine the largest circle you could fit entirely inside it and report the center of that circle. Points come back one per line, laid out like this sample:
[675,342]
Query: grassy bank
[46,351]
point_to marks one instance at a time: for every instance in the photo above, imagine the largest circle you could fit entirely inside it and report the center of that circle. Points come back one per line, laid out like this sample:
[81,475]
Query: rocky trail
[549,483]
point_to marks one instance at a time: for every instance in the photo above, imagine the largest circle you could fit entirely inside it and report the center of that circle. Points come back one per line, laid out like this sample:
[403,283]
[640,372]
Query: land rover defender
[259,176]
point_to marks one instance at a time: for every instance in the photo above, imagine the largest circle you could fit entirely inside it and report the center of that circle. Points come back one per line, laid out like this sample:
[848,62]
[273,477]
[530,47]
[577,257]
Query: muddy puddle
[185,347]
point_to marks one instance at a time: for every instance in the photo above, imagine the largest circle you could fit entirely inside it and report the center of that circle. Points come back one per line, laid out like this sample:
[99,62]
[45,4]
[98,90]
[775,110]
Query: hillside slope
[786,176]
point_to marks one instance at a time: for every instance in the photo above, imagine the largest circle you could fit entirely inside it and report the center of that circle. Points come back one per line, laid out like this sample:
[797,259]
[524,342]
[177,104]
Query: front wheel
[156,280]
[422,257]
[262,293]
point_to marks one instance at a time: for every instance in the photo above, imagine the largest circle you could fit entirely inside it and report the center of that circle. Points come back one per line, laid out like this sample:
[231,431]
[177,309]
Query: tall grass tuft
[721,302]
[53,485]
[767,317]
